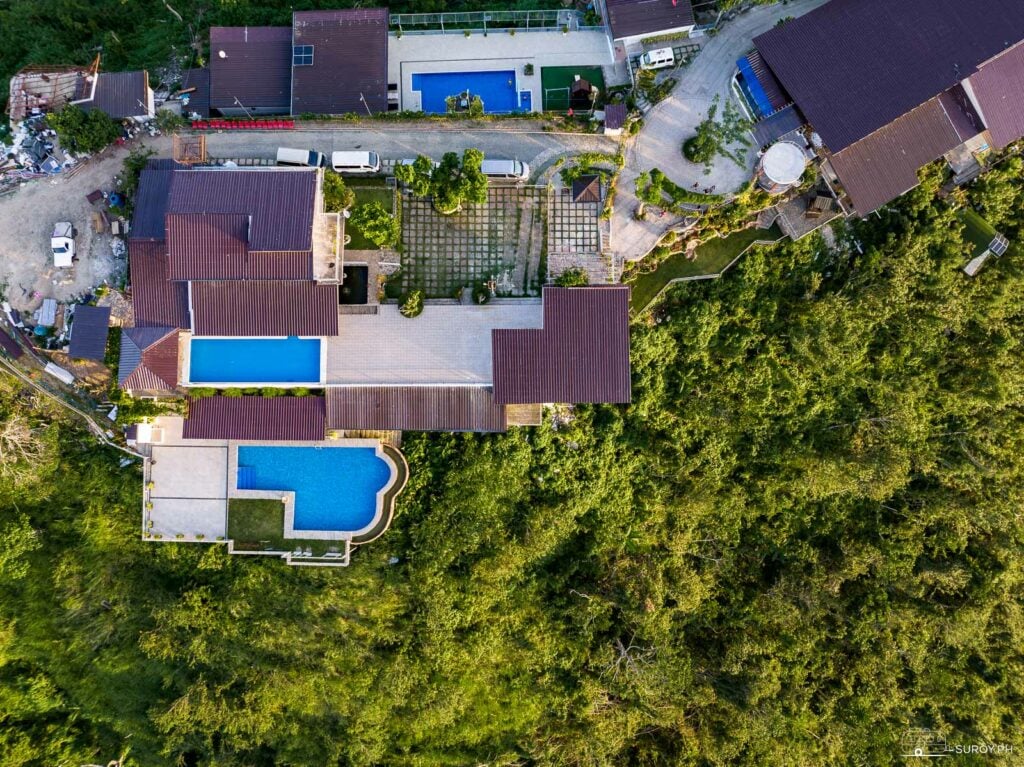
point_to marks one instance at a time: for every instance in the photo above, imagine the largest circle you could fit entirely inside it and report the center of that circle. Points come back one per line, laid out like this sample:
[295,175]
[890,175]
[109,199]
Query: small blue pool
[254,360]
[497,89]
[335,487]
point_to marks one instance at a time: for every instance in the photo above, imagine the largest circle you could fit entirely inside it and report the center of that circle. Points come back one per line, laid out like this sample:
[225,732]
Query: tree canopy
[802,538]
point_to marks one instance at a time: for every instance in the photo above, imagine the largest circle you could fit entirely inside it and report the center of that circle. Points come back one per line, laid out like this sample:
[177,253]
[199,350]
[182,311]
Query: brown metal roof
[120,94]
[280,202]
[586,189]
[614,116]
[9,345]
[207,246]
[258,308]
[884,165]
[149,359]
[853,66]
[414,408]
[156,301]
[629,18]
[255,70]
[999,88]
[271,418]
[198,99]
[580,355]
[89,332]
[151,201]
[350,61]
[961,113]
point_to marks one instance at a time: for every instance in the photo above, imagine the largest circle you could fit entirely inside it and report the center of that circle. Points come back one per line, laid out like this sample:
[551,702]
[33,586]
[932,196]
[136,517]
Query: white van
[304,158]
[659,59]
[513,170]
[356,162]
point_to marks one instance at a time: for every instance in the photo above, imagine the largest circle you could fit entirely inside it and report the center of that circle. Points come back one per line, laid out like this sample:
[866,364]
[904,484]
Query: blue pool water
[335,487]
[497,89]
[254,360]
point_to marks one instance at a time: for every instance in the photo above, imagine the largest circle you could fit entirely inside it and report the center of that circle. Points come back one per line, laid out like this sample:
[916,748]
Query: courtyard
[501,240]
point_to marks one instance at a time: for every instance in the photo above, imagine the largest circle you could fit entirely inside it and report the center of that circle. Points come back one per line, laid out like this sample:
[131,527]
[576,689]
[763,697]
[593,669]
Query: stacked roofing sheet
[349,70]
[156,301]
[853,66]
[89,332]
[264,308]
[250,68]
[414,408]
[580,355]
[629,18]
[149,359]
[998,88]
[270,418]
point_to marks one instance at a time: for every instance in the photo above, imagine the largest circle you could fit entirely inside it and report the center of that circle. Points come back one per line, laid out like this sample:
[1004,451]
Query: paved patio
[499,240]
[447,344]
[189,488]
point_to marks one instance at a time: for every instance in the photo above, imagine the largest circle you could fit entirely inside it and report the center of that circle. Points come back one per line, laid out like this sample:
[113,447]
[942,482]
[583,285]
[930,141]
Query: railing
[487,21]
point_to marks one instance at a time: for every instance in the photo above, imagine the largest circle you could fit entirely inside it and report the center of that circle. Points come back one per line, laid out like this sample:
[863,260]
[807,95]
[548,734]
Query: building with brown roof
[148,365]
[890,87]
[326,62]
[631,21]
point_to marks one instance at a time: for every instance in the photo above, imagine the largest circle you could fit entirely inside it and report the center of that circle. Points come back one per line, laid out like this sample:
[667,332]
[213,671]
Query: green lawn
[368,190]
[977,231]
[563,77]
[257,524]
[712,257]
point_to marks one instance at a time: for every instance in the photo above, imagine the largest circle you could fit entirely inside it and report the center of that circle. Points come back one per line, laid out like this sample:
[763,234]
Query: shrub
[572,278]
[167,121]
[481,293]
[232,393]
[200,392]
[300,391]
[528,69]
[271,391]
[412,304]
[337,196]
[81,132]
[378,225]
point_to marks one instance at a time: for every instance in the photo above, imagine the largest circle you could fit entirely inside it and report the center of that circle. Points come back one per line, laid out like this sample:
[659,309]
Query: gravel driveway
[671,121]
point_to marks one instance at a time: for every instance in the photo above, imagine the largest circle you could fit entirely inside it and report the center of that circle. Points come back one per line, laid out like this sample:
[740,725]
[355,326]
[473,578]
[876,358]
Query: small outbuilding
[89,332]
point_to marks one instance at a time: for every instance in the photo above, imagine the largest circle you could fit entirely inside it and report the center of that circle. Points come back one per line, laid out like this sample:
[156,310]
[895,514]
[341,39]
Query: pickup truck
[62,243]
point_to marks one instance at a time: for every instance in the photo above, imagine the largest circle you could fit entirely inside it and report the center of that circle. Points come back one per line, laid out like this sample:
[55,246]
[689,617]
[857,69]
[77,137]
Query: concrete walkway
[670,122]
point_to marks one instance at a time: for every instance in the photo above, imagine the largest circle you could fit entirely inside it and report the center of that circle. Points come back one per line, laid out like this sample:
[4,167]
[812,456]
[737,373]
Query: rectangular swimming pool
[254,360]
[335,487]
[496,89]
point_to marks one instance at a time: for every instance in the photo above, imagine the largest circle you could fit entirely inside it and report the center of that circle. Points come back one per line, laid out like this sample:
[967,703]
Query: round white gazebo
[781,167]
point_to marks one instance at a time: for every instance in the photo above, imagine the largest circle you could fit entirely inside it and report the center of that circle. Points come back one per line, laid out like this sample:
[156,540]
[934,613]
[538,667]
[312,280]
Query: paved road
[674,119]
[402,141]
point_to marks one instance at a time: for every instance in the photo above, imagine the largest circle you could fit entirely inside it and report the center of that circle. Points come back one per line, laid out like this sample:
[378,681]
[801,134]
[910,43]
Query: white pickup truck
[62,243]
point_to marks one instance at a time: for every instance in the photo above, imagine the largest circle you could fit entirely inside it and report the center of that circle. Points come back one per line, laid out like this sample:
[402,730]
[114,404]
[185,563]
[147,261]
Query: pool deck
[448,344]
[418,54]
[187,485]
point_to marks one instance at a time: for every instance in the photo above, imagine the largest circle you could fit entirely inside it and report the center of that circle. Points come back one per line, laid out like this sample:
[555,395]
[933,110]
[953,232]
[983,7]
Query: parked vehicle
[356,162]
[303,158]
[512,170]
[659,59]
[62,244]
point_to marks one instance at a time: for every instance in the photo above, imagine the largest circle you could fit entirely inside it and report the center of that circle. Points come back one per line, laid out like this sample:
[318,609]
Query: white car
[62,244]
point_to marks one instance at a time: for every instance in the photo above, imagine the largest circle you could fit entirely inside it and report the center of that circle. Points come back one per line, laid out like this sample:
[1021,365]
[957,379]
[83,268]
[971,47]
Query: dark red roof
[255,70]
[280,202]
[156,301]
[853,66]
[586,189]
[350,61]
[414,408]
[883,166]
[89,331]
[207,246]
[270,418]
[580,355]
[999,88]
[259,308]
[629,18]
[148,360]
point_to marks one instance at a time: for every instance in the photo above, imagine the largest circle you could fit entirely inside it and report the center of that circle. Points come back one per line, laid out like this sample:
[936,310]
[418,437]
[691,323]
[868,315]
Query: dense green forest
[803,537]
[154,33]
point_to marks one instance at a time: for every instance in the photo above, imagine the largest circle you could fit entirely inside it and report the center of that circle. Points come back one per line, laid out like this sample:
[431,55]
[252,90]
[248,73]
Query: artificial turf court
[556,81]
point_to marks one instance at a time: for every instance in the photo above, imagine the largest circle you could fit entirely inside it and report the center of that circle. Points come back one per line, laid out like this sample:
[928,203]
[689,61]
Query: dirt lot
[27,216]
